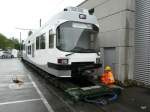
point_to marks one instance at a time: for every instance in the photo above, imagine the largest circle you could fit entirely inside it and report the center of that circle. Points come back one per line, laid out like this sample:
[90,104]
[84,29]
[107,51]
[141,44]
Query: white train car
[65,45]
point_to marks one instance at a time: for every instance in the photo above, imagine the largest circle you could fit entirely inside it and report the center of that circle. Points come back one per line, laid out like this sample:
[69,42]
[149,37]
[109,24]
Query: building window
[42,41]
[37,42]
[51,40]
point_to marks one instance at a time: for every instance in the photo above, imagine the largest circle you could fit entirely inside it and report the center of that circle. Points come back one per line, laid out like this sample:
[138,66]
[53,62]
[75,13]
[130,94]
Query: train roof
[68,14]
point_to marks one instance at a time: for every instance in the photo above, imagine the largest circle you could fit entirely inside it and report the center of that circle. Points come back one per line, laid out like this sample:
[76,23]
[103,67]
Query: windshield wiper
[69,54]
[77,49]
[90,50]
[83,50]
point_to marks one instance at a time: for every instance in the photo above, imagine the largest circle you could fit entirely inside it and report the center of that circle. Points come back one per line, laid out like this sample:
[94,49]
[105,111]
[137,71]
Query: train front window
[77,37]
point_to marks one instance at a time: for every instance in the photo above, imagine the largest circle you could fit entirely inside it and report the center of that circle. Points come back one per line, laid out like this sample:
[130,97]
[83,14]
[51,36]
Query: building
[120,40]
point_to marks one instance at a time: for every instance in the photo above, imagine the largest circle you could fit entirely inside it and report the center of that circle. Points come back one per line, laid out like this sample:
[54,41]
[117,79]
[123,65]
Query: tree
[16,43]
[6,43]
[2,41]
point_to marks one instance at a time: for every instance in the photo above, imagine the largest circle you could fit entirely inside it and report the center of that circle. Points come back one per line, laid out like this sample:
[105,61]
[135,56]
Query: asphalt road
[36,94]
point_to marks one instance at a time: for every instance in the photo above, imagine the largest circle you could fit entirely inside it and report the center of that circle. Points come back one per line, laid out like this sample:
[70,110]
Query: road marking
[41,95]
[26,84]
[19,101]
[8,75]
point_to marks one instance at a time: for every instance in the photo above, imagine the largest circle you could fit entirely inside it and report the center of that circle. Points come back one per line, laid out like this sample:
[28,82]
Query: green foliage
[2,41]
[6,43]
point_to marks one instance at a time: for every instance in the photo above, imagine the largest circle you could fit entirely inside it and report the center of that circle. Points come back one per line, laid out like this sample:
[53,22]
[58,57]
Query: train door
[32,50]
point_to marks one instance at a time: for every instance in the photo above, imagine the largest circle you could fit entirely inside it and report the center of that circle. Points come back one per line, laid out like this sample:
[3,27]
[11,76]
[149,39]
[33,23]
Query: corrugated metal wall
[142,41]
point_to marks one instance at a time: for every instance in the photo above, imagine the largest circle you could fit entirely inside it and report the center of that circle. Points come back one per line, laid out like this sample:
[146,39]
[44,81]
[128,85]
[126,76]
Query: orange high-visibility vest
[107,77]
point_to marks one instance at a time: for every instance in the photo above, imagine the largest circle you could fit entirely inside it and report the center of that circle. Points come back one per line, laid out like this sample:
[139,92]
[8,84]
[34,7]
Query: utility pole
[20,41]
[21,36]
[40,22]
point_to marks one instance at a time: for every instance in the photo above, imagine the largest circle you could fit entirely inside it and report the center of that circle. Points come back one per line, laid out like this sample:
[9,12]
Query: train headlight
[63,61]
[98,60]
[82,16]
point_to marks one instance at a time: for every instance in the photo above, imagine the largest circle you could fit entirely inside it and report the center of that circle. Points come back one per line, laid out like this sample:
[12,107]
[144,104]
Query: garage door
[142,42]
[109,57]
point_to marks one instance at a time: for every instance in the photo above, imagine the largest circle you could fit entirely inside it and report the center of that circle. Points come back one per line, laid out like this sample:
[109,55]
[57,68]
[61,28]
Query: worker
[107,77]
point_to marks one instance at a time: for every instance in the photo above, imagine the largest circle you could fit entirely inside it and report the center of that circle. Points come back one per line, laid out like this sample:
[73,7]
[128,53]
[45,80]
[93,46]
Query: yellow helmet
[108,68]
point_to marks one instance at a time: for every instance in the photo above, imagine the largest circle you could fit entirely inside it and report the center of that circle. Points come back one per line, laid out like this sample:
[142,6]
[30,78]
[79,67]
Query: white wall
[117,28]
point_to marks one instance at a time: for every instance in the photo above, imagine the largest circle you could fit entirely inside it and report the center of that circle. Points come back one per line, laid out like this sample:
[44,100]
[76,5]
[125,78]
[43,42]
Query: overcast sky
[27,13]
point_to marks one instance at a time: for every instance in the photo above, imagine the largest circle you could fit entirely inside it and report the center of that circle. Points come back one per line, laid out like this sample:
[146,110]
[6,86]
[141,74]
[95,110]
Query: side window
[42,41]
[29,50]
[26,49]
[92,41]
[37,42]
[51,40]
[23,47]
[32,49]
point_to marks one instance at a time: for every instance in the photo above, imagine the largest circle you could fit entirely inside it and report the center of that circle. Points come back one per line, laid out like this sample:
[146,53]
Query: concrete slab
[31,106]
[36,93]
[19,97]
[8,94]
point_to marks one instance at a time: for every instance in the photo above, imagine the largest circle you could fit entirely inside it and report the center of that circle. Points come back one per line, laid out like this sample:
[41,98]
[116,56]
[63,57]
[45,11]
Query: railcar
[66,46]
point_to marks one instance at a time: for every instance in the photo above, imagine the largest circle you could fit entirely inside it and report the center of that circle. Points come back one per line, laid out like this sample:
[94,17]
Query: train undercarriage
[82,86]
